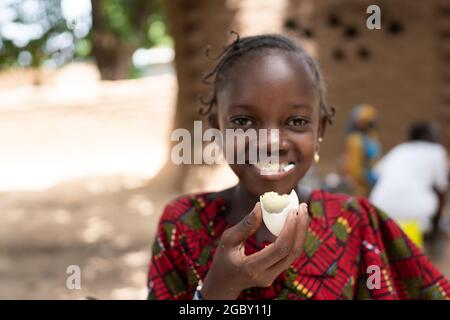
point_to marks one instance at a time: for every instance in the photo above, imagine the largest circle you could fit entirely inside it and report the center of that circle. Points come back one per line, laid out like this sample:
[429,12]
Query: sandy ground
[74,155]
[77,158]
[76,161]
[107,234]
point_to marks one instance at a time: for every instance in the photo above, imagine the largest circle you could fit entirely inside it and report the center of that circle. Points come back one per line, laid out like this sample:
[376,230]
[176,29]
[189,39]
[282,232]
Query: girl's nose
[276,141]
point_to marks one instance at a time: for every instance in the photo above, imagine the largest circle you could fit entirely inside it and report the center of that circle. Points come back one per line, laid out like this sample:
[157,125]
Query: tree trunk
[193,25]
[112,57]
[112,54]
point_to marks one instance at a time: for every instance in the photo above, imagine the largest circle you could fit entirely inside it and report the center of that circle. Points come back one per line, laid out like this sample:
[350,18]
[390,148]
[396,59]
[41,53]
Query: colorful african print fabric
[349,243]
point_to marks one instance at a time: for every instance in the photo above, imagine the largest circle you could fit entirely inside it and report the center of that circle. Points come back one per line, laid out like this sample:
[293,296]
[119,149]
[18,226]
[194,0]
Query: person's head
[270,82]
[423,131]
[362,118]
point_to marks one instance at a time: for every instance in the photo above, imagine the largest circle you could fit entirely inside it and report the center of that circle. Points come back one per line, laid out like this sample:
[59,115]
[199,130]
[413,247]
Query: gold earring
[316,157]
[316,153]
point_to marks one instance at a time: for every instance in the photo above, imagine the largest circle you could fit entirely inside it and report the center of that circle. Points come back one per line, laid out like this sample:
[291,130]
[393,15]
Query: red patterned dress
[348,242]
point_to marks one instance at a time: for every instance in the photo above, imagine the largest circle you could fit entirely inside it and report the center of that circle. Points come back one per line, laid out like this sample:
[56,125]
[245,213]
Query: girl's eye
[242,122]
[297,122]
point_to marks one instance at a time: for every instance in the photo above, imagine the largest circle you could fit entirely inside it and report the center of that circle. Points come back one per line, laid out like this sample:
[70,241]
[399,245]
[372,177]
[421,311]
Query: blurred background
[91,89]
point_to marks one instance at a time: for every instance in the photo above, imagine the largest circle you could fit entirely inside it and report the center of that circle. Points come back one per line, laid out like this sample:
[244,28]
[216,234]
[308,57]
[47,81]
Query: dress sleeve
[167,275]
[406,273]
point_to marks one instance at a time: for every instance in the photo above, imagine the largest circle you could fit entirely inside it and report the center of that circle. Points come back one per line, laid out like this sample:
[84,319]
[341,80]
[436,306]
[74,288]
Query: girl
[333,246]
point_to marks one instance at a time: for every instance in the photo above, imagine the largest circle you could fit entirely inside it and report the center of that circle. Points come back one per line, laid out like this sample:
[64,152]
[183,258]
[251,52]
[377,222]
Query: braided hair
[240,48]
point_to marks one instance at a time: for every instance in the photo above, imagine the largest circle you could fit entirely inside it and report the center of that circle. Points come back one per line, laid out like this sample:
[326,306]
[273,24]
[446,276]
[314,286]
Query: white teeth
[274,168]
[268,166]
[289,167]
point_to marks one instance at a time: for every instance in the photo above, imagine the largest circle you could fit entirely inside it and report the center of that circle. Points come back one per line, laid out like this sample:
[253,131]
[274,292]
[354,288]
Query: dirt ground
[76,166]
[107,234]
[76,161]
[75,154]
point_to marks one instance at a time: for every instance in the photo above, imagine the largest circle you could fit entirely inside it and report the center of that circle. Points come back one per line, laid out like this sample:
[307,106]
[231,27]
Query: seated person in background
[412,182]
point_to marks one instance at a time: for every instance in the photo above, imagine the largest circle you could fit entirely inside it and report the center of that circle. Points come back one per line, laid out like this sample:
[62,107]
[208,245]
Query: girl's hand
[232,271]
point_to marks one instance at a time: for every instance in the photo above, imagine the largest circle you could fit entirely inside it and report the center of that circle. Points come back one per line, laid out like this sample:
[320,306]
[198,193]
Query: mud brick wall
[402,69]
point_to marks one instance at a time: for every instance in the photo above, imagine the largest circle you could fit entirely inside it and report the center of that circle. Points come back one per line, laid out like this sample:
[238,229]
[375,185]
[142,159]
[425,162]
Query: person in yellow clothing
[362,149]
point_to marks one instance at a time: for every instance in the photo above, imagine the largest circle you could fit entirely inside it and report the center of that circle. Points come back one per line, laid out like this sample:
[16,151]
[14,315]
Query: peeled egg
[275,209]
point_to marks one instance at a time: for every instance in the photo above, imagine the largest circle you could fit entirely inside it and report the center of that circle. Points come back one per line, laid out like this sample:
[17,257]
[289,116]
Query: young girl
[333,246]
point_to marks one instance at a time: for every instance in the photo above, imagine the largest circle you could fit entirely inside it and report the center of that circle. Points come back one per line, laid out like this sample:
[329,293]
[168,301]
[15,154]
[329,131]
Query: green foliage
[157,34]
[30,30]
[124,19]
[121,17]
[83,48]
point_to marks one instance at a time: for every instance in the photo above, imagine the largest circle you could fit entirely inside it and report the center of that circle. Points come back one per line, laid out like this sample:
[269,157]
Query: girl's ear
[323,121]
[213,120]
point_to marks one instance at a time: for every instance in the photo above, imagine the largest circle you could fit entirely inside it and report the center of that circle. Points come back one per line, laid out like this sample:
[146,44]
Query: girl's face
[272,91]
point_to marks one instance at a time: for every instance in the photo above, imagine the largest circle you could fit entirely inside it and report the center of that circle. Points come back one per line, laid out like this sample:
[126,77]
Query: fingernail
[304,206]
[251,216]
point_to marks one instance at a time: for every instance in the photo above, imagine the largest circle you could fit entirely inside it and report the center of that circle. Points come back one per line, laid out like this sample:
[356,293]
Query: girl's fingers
[237,234]
[297,248]
[279,249]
